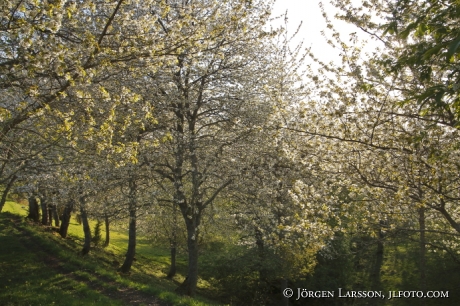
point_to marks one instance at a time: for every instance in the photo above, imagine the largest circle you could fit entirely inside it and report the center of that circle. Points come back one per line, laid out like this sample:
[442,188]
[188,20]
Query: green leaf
[431,51]
[390,29]
[435,91]
[452,48]
[421,30]
[408,29]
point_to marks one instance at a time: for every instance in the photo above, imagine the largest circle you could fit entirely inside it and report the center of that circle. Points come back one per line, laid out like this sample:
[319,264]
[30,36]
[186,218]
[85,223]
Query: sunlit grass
[26,279]
[50,288]
[15,208]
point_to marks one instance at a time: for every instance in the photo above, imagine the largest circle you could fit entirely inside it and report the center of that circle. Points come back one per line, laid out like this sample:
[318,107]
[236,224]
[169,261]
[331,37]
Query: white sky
[309,12]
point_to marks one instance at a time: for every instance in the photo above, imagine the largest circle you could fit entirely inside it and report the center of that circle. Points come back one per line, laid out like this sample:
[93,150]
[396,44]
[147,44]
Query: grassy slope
[37,267]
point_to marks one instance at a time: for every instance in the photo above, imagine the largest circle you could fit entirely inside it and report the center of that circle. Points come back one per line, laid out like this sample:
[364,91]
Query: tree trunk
[44,208]
[172,268]
[107,231]
[55,215]
[78,218]
[132,231]
[173,243]
[375,282]
[192,222]
[131,243]
[5,192]
[422,267]
[34,213]
[260,255]
[86,228]
[66,219]
[448,216]
[50,215]
[191,281]
[191,210]
[378,263]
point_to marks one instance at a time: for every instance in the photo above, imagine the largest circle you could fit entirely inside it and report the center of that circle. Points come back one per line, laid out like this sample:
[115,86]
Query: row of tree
[121,109]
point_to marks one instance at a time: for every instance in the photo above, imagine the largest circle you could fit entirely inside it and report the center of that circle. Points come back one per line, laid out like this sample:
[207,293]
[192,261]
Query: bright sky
[309,12]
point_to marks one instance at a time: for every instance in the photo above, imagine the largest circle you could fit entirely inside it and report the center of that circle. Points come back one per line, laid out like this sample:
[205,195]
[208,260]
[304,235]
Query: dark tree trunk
[107,231]
[126,267]
[191,218]
[192,269]
[260,255]
[173,244]
[34,212]
[50,215]
[5,192]
[44,208]
[86,228]
[55,215]
[421,220]
[190,283]
[378,263]
[376,269]
[172,267]
[192,208]
[66,219]
[78,218]
[442,209]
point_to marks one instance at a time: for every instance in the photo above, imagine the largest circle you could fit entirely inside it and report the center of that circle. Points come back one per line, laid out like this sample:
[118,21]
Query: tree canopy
[146,111]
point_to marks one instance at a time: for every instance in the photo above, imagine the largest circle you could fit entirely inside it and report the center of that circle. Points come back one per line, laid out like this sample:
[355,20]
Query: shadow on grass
[38,267]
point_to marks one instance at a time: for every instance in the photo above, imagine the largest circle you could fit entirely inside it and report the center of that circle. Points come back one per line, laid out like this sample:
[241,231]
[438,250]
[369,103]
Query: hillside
[38,267]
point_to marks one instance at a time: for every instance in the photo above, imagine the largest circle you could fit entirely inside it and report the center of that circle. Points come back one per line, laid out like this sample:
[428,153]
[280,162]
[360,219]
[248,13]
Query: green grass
[38,267]
[15,208]
[25,274]
[35,264]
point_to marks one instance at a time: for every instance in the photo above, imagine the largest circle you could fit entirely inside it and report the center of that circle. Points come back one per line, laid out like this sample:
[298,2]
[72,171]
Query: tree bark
[44,208]
[192,211]
[191,204]
[172,267]
[107,231]
[191,281]
[173,244]
[379,262]
[66,219]
[50,215]
[126,267]
[191,214]
[192,217]
[260,254]
[55,215]
[422,267]
[448,216]
[34,213]
[376,283]
[86,228]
